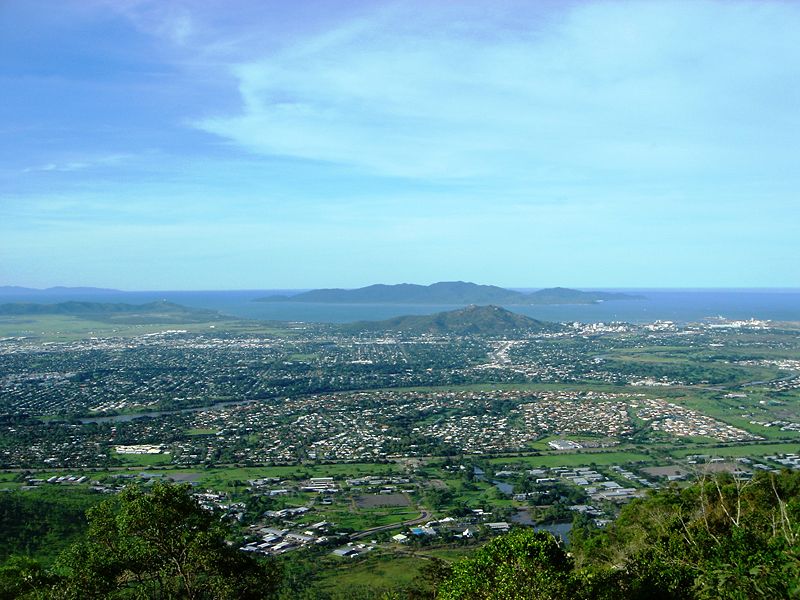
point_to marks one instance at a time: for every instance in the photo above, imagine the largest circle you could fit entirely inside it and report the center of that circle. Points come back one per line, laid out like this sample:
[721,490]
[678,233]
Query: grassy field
[740,450]
[65,328]
[375,571]
[144,460]
[224,476]
[583,459]
[358,519]
[448,554]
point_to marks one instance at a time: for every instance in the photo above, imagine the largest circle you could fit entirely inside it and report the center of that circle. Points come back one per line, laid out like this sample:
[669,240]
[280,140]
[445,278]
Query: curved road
[423,516]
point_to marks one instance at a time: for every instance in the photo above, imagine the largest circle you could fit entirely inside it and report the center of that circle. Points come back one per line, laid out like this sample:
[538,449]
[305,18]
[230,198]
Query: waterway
[560,530]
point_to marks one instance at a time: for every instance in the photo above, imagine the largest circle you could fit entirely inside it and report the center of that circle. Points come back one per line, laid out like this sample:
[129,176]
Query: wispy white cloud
[604,87]
[172,21]
[68,166]
[609,143]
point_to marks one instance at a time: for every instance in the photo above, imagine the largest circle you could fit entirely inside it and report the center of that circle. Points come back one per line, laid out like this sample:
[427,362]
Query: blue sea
[655,304]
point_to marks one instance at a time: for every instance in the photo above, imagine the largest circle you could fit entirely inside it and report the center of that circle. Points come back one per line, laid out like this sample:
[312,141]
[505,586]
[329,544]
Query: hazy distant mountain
[472,320]
[11,290]
[152,312]
[450,292]
[560,295]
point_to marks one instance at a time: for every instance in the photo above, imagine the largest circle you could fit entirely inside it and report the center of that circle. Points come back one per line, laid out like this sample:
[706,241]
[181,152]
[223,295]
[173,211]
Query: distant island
[472,320]
[449,292]
[150,313]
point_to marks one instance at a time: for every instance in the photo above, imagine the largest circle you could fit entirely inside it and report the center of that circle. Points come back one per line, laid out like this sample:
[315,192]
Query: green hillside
[472,320]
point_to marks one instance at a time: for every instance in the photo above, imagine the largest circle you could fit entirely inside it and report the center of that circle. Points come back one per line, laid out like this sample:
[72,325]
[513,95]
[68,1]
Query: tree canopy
[719,538]
[156,544]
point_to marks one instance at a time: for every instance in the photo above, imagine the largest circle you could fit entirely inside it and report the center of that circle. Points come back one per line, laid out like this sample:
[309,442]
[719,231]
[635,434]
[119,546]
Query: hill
[152,312]
[472,320]
[446,292]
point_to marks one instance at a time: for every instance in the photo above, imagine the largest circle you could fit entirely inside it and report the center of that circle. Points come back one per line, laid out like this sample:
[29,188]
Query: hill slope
[472,320]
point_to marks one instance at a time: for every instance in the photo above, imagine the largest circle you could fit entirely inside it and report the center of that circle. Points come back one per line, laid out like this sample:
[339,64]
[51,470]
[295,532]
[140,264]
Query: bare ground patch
[376,500]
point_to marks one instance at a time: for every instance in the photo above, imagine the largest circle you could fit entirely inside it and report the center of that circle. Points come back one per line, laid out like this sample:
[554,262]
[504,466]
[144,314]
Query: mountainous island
[151,312]
[448,292]
[472,320]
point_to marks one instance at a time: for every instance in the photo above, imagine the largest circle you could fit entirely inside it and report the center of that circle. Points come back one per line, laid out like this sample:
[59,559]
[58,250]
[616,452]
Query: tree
[23,577]
[722,537]
[522,565]
[160,544]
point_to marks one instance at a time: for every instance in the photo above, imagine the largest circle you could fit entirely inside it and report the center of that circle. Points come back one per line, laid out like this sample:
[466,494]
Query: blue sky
[243,145]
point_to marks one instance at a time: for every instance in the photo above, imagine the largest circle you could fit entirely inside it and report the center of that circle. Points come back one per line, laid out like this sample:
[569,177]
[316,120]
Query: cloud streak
[608,88]
[69,166]
[324,143]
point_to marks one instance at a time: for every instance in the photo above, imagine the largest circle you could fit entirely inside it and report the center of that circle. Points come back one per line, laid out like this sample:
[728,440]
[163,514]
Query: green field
[583,459]
[363,518]
[375,571]
[65,328]
[144,460]
[740,450]
[222,477]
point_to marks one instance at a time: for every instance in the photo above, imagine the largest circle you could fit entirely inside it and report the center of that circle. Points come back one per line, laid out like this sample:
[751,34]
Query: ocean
[656,304]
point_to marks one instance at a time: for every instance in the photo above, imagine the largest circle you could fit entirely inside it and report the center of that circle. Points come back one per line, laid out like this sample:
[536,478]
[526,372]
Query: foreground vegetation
[457,434]
[718,538]
[160,544]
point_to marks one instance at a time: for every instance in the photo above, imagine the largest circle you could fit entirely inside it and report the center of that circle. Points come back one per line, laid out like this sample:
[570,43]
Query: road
[423,516]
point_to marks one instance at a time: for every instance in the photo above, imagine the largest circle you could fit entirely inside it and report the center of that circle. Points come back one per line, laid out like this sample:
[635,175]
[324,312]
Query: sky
[167,145]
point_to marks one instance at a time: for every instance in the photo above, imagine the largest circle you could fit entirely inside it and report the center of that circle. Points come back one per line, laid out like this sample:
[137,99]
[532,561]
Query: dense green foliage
[719,538]
[42,522]
[524,564]
[160,544]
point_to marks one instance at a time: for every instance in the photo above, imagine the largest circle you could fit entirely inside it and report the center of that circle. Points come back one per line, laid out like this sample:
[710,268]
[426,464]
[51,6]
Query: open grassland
[358,519]
[740,450]
[462,493]
[143,460]
[223,477]
[578,459]
[377,572]
[66,328]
